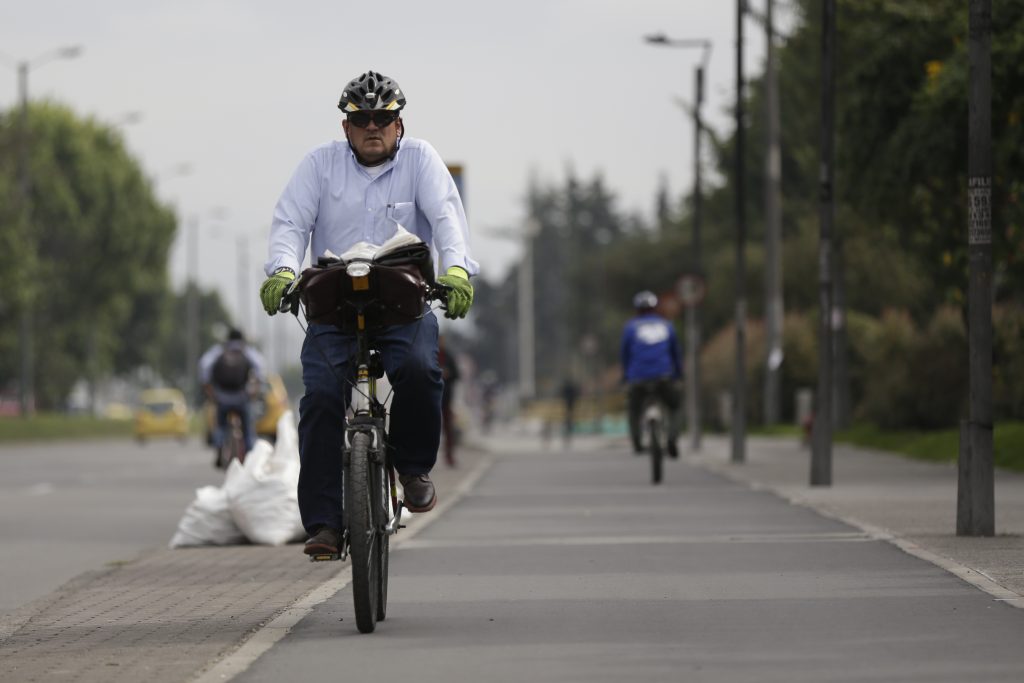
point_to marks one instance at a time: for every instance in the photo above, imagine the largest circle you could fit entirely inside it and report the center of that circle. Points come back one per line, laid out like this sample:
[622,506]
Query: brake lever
[290,300]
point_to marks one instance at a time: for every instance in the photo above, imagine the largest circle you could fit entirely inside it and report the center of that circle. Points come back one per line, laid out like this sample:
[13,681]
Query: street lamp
[693,331]
[525,314]
[26,388]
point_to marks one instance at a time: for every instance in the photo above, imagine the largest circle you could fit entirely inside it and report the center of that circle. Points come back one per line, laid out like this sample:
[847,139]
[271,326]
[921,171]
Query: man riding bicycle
[225,371]
[651,363]
[343,193]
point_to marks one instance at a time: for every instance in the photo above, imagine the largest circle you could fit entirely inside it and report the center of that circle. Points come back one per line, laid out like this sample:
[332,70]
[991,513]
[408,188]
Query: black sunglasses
[382,119]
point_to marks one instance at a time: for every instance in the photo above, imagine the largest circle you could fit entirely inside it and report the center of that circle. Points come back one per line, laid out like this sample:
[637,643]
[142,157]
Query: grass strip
[57,427]
[941,445]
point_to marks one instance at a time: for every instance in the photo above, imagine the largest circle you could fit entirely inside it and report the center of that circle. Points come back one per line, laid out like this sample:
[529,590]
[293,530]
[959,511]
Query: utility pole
[244,319]
[773,232]
[739,416]
[525,315]
[26,319]
[192,313]
[975,514]
[26,324]
[693,412]
[821,447]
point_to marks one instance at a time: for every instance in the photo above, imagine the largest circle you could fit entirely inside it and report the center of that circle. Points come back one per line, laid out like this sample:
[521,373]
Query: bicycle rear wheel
[653,429]
[363,534]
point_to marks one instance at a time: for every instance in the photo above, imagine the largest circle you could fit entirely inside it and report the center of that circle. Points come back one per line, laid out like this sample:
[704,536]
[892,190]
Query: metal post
[739,417]
[976,508]
[192,314]
[821,448]
[773,232]
[244,319]
[526,339]
[26,385]
[693,412]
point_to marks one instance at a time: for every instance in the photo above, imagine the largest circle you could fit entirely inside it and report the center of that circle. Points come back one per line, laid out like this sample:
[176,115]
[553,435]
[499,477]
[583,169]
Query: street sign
[691,289]
[458,176]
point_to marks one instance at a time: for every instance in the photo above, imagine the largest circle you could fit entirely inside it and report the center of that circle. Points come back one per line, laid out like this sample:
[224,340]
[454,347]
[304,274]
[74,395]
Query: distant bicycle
[653,430]
[232,445]
[360,297]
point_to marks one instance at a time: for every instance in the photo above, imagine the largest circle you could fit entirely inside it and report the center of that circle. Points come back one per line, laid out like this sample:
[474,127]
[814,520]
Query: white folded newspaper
[365,250]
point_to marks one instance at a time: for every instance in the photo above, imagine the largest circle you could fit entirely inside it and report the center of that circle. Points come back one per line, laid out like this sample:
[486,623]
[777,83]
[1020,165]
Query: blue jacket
[650,349]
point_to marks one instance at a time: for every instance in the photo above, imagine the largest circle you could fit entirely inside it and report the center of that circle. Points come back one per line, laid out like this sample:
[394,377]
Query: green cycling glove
[460,296]
[273,288]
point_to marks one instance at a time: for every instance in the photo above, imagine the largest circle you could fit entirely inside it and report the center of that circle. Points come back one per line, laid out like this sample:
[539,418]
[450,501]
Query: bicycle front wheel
[363,534]
[384,507]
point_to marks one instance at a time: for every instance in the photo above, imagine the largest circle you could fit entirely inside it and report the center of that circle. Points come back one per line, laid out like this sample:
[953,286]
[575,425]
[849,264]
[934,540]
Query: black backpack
[231,370]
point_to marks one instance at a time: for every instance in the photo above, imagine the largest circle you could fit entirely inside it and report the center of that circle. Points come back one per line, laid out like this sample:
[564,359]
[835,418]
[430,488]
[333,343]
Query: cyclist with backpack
[225,372]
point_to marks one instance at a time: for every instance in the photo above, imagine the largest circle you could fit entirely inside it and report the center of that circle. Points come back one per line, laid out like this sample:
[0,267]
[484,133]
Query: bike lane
[570,566]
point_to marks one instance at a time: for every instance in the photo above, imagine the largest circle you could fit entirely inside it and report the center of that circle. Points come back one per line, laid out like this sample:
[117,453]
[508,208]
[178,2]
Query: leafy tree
[100,242]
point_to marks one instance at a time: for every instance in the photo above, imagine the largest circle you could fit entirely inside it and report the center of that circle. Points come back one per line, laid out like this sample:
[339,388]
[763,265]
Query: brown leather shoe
[419,492]
[326,541]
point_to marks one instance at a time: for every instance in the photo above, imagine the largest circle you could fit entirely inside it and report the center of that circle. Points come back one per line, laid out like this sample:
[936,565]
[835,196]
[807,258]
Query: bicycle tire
[362,533]
[237,439]
[656,453]
[383,507]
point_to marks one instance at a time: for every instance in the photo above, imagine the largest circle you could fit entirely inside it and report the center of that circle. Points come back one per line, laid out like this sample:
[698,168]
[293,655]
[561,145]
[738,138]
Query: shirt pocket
[402,213]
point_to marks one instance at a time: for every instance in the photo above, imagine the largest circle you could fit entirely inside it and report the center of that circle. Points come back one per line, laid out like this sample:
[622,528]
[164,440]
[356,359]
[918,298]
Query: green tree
[100,242]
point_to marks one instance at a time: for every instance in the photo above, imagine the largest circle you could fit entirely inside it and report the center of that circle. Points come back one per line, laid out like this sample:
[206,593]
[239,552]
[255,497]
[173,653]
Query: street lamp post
[821,441]
[693,327]
[26,388]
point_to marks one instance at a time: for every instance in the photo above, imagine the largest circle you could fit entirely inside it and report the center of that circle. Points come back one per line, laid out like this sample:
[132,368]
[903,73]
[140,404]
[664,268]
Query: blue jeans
[409,355]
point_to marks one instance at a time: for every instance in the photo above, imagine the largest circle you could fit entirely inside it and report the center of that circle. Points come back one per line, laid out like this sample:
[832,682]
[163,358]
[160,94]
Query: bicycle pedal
[325,557]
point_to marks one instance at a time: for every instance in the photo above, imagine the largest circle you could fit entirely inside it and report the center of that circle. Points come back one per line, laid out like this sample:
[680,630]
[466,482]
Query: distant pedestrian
[570,394]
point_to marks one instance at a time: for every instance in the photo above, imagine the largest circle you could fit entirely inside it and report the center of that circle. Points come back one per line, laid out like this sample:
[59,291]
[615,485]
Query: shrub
[888,392]
[1008,362]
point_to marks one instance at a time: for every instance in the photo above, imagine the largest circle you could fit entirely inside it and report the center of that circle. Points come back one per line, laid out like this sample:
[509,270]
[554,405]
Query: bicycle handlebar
[290,299]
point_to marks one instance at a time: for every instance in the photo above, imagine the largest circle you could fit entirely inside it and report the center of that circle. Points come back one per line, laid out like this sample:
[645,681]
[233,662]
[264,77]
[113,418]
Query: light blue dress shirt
[332,202]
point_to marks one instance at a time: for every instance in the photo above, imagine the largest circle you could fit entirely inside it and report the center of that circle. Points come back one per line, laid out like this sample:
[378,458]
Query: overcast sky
[242,89]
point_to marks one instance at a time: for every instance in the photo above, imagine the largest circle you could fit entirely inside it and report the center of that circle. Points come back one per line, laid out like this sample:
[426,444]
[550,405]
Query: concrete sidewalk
[168,615]
[907,502]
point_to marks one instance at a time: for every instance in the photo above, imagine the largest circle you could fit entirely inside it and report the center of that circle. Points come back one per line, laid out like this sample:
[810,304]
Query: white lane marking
[491,542]
[43,488]
[265,638]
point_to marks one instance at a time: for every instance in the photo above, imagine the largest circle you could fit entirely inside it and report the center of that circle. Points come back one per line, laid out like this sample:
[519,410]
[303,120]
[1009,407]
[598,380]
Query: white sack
[262,493]
[207,521]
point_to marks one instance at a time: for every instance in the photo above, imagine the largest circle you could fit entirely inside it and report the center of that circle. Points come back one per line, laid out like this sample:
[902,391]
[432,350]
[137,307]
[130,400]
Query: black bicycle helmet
[645,300]
[369,91]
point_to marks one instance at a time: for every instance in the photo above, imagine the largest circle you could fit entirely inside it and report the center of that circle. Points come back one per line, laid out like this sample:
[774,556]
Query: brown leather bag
[393,295]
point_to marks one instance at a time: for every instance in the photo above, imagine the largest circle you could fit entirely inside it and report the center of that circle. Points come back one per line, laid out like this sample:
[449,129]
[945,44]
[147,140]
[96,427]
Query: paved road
[73,507]
[571,567]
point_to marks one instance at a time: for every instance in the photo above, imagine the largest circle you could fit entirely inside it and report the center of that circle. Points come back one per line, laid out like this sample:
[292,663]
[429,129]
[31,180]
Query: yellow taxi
[270,403]
[161,412]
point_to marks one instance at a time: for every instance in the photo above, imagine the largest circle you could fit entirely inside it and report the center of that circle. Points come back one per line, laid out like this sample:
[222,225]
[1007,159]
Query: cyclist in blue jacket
[651,363]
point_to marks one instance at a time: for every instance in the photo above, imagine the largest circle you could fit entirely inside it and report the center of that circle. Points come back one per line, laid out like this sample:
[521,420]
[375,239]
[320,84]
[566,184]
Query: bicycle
[654,416]
[360,296]
[233,442]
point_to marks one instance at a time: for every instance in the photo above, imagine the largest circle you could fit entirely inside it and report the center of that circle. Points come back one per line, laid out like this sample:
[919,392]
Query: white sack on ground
[207,521]
[262,493]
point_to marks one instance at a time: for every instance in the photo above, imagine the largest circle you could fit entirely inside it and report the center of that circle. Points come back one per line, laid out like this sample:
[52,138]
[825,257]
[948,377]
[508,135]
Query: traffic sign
[691,289]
